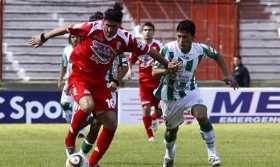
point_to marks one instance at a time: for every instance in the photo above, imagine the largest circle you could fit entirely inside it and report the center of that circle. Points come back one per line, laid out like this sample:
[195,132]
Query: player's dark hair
[114,14]
[148,24]
[96,16]
[186,26]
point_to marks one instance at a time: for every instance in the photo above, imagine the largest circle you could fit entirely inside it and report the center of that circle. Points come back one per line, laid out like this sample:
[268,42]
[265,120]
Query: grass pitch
[239,145]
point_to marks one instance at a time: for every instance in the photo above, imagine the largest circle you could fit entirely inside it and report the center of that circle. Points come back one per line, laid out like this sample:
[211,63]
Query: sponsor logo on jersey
[102,54]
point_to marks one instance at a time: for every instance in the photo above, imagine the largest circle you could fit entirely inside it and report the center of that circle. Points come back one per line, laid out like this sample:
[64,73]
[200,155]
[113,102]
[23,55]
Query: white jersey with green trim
[65,61]
[176,86]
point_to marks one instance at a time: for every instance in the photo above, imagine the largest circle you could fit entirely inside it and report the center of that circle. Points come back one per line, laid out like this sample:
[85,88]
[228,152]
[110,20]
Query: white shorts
[173,111]
[66,98]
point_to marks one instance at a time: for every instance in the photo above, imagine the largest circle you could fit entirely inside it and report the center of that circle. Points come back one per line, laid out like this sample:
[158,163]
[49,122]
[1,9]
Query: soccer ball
[76,160]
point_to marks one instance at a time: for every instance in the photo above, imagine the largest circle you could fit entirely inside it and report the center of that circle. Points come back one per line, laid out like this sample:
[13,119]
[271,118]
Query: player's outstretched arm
[227,78]
[155,55]
[38,40]
[168,65]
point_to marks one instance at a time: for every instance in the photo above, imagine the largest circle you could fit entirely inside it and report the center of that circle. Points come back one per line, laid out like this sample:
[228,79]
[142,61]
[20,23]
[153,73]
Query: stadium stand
[259,33]
[26,18]
[259,38]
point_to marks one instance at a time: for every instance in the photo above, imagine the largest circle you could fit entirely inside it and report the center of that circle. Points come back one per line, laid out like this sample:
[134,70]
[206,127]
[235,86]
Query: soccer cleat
[69,151]
[151,139]
[167,162]
[154,125]
[214,161]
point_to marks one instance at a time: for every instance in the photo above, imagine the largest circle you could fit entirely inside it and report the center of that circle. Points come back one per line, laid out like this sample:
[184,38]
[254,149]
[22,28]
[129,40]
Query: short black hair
[186,26]
[114,14]
[148,24]
[96,16]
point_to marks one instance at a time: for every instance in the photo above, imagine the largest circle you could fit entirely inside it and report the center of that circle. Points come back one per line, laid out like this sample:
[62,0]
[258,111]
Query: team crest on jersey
[102,53]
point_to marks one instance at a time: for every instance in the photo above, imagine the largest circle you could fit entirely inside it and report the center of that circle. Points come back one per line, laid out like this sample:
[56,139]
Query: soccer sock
[86,147]
[147,120]
[102,144]
[78,119]
[170,149]
[209,138]
[205,126]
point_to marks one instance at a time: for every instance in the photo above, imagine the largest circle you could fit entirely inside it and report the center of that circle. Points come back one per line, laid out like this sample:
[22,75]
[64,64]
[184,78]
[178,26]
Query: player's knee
[87,105]
[66,106]
[199,112]
[171,134]
[146,109]
[111,125]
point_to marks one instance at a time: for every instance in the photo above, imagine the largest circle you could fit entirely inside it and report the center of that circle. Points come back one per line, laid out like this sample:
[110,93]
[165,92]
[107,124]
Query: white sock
[170,150]
[209,138]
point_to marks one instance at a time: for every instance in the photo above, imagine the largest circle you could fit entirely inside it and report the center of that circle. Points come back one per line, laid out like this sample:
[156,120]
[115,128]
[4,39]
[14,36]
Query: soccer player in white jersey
[147,82]
[66,100]
[178,90]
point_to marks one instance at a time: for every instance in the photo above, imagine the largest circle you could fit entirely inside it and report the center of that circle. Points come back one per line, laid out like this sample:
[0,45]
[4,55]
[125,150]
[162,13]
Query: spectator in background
[240,72]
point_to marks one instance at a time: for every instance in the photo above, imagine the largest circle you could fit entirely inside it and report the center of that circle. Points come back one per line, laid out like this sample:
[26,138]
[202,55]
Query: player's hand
[128,74]
[231,82]
[35,41]
[113,86]
[174,66]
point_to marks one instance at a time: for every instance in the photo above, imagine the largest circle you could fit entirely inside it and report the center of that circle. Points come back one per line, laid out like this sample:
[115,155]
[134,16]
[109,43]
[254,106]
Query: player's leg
[94,130]
[91,137]
[147,121]
[170,136]
[105,114]
[199,111]
[109,121]
[66,105]
[156,115]
[86,105]
[174,116]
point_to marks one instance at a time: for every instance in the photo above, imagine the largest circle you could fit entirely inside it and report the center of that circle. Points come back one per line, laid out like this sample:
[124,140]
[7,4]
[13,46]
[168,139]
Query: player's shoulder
[171,45]
[124,34]
[157,42]
[199,47]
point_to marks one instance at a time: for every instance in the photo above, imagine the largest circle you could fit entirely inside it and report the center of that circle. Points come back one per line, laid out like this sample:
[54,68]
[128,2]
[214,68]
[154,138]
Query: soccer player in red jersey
[146,81]
[101,42]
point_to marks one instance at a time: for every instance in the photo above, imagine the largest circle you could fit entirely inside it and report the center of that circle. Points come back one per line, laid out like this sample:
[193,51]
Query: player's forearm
[157,73]
[155,55]
[55,32]
[121,73]
[61,73]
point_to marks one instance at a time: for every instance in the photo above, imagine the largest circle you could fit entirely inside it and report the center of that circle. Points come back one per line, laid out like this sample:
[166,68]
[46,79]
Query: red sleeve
[137,47]
[82,29]
[132,58]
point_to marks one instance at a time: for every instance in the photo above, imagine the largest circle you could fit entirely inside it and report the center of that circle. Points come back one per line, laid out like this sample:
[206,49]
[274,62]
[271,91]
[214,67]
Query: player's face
[184,40]
[110,27]
[236,61]
[148,32]
[74,40]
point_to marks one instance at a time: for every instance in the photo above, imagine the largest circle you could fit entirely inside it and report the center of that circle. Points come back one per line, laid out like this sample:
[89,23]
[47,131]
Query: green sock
[86,147]
[206,127]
